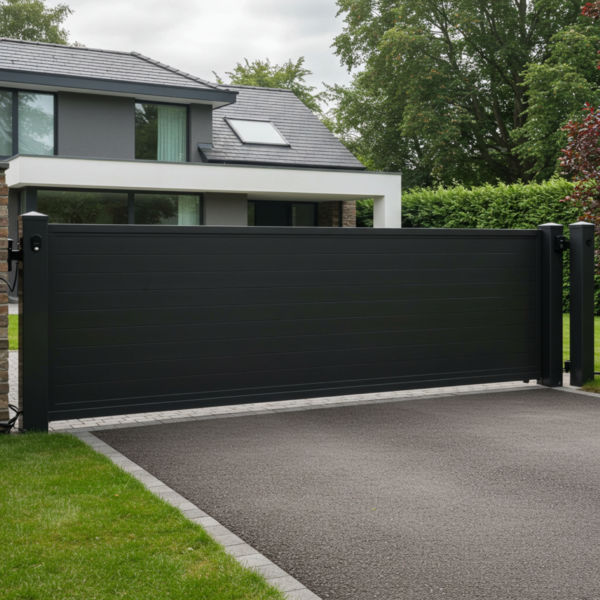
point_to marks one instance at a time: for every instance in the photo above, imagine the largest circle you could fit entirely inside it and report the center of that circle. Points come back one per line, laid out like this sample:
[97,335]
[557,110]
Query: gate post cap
[34,215]
[550,225]
[581,224]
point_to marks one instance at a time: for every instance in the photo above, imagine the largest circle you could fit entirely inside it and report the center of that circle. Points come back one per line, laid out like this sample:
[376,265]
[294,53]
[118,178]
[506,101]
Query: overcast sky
[201,36]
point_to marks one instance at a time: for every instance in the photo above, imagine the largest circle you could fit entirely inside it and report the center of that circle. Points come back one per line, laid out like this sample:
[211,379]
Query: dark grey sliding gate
[143,318]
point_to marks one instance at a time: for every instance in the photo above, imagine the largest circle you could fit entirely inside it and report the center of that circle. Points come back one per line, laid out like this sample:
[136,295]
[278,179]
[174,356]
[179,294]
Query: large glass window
[119,208]
[36,123]
[163,209]
[102,208]
[6,124]
[160,132]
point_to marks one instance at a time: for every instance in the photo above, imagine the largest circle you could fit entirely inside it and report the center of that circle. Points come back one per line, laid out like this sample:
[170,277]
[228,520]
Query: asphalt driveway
[492,496]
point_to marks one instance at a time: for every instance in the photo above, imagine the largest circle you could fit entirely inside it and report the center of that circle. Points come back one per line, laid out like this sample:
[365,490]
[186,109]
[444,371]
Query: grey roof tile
[312,144]
[89,62]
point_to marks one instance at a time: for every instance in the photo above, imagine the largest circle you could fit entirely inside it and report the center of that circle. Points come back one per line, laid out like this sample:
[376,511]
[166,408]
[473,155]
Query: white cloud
[204,36]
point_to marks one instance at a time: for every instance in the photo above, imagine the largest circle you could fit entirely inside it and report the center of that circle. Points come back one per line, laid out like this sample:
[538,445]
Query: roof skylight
[257,132]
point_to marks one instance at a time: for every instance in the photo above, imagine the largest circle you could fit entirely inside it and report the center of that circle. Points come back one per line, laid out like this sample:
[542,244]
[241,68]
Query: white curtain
[189,211]
[171,133]
[171,148]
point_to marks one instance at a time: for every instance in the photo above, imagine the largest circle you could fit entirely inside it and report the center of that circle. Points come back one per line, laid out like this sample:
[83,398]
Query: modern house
[96,136]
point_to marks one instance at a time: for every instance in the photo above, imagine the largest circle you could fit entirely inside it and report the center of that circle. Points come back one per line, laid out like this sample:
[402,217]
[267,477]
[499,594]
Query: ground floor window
[267,213]
[114,207]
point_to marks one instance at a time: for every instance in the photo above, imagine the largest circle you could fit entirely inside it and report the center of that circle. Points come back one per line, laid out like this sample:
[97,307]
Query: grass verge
[13,332]
[75,526]
[592,386]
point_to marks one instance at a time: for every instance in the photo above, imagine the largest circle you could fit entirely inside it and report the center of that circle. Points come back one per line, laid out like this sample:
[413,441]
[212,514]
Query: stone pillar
[3,294]
[330,214]
[349,214]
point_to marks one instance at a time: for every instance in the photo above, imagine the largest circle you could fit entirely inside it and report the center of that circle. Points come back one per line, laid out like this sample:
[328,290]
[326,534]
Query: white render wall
[264,183]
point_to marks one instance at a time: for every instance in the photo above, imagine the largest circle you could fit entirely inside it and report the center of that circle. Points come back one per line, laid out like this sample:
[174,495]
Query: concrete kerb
[245,554]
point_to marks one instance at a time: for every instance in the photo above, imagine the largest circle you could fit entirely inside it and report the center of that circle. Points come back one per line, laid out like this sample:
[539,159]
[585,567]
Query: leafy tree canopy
[462,90]
[33,20]
[290,76]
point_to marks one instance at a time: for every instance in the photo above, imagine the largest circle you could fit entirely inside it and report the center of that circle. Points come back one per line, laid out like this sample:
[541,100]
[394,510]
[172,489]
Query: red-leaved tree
[581,157]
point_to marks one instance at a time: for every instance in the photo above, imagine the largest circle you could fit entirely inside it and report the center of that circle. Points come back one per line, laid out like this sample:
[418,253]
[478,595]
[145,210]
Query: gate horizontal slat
[298,342]
[152,333]
[219,263]
[460,298]
[243,313]
[151,318]
[240,280]
[344,374]
[237,365]
[117,241]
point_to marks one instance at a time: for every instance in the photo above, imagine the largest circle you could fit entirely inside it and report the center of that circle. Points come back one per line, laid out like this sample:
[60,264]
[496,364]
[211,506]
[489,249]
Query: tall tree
[581,156]
[557,90]
[33,20]
[441,90]
[290,76]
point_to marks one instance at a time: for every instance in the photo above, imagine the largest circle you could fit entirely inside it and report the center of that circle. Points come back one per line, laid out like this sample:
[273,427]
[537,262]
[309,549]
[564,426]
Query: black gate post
[33,323]
[582,303]
[551,297]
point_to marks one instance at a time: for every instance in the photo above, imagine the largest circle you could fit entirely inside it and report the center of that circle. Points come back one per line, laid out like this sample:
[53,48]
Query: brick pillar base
[3,294]
[330,214]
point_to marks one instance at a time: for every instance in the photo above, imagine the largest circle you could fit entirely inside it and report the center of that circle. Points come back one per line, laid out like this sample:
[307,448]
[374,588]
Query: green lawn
[567,338]
[592,386]
[75,526]
[13,332]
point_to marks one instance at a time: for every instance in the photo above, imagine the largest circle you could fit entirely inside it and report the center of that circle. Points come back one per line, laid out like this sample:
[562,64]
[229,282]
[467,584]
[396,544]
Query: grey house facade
[106,137]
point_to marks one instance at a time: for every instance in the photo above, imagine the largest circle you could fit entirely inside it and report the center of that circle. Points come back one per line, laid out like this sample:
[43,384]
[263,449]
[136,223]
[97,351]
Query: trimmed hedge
[517,206]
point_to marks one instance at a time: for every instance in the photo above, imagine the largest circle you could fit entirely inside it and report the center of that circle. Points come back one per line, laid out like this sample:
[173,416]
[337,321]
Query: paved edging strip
[245,554]
[246,410]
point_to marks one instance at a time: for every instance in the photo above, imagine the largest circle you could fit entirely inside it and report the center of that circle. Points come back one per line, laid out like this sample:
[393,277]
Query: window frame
[241,138]
[188,125]
[15,118]
[30,200]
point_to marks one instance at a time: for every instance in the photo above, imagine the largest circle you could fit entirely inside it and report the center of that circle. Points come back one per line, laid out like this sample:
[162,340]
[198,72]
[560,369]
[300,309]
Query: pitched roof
[57,59]
[311,143]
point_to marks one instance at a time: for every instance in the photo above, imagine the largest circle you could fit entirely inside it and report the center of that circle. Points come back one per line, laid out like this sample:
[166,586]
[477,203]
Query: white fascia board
[255,181]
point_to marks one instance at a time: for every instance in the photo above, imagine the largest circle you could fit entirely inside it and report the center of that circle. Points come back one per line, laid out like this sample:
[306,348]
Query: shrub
[364,213]
[517,206]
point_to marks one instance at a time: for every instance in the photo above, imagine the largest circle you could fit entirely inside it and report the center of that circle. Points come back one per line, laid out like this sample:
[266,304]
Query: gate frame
[34,317]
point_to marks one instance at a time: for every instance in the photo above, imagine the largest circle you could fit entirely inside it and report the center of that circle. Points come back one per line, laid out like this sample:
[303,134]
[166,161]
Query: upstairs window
[160,132]
[26,123]
[257,132]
